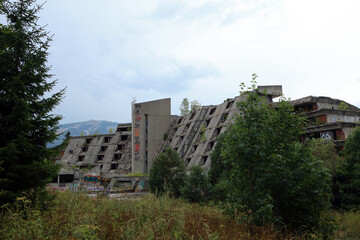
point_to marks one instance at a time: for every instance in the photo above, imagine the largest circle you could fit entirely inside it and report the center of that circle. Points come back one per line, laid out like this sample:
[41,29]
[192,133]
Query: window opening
[114,166]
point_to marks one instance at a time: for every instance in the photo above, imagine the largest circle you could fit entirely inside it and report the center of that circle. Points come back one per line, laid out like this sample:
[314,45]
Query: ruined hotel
[134,146]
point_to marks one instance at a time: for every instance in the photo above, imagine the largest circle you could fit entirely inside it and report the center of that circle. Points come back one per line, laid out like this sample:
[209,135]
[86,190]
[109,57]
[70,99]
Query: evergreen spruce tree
[26,121]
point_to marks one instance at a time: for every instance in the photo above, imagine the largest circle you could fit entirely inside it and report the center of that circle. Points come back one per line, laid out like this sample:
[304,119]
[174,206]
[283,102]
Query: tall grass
[75,216]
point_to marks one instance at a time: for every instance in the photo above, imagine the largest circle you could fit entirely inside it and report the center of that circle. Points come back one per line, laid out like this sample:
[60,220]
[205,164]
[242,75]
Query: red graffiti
[137,147]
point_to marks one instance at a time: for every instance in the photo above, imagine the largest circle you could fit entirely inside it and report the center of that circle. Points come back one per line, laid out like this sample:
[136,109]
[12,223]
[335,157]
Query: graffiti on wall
[91,179]
[137,131]
[326,135]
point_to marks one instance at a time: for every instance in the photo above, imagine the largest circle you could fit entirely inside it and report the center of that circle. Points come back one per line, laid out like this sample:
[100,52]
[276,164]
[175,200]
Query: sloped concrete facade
[135,145]
[106,155]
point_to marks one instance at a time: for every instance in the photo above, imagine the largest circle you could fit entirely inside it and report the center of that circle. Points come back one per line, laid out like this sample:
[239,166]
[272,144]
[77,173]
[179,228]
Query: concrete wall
[101,155]
[193,135]
[150,121]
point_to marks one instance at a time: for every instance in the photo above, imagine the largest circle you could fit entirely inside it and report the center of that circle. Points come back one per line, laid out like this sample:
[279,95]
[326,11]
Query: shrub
[167,173]
[349,179]
[272,177]
[197,186]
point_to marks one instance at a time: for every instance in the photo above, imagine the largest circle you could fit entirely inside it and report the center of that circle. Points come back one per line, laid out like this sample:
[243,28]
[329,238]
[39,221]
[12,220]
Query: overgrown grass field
[75,216]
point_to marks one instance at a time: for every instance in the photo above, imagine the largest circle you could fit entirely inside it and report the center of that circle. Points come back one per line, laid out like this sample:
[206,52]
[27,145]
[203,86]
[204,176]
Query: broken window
[216,132]
[100,157]
[114,166]
[81,158]
[117,156]
[103,148]
[193,149]
[207,122]
[107,139]
[180,140]
[123,129]
[124,137]
[210,146]
[84,149]
[203,160]
[212,111]
[229,105]
[88,140]
[120,146]
[186,127]
[223,117]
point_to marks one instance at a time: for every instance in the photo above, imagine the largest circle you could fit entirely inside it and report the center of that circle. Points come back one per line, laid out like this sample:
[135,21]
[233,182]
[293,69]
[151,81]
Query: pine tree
[26,121]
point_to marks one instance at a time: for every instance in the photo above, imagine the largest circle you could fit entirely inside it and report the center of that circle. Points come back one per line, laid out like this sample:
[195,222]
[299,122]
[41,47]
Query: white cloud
[109,51]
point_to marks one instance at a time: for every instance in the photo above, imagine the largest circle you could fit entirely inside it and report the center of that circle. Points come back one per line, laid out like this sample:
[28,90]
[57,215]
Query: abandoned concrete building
[134,146]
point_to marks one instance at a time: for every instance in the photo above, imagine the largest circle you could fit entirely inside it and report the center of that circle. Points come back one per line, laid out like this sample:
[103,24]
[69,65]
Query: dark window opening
[223,118]
[192,115]
[100,157]
[194,148]
[66,178]
[188,160]
[114,166]
[88,140]
[229,105]
[71,151]
[207,122]
[120,146]
[117,156]
[212,111]
[103,148]
[210,146]
[123,129]
[180,140]
[84,149]
[203,160]
[107,139]
[81,158]
[186,127]
[101,167]
[124,137]
[176,149]
[180,120]
[217,132]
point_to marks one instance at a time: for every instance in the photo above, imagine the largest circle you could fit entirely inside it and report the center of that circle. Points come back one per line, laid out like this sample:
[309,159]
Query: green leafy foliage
[167,173]
[197,185]
[270,175]
[27,123]
[184,107]
[325,152]
[349,179]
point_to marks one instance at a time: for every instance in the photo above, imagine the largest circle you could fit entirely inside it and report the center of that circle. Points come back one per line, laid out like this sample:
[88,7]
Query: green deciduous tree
[349,179]
[184,107]
[167,173]
[197,186]
[271,176]
[26,121]
[195,105]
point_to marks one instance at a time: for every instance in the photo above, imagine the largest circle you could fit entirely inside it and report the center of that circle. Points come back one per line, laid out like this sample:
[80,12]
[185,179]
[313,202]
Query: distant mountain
[87,128]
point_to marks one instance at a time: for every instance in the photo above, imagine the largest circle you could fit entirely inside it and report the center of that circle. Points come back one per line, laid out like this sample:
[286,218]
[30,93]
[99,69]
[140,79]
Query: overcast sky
[108,52]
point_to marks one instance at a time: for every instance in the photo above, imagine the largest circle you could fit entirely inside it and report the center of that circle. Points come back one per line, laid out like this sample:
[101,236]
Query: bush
[197,186]
[272,177]
[349,179]
[167,173]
